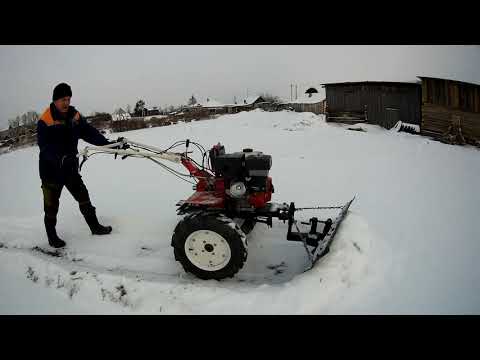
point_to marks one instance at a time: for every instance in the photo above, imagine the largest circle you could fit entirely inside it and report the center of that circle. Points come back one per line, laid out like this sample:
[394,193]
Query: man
[58,131]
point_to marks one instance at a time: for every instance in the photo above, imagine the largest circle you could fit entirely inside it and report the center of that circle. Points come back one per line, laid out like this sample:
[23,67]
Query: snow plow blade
[319,240]
[324,244]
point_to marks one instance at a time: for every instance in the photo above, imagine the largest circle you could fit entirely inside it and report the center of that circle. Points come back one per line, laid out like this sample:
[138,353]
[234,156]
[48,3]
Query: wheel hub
[207,250]
[209,247]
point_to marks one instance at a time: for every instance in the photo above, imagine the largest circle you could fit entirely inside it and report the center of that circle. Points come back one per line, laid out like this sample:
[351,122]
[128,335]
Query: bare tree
[13,123]
[270,98]
[139,108]
[192,101]
[31,118]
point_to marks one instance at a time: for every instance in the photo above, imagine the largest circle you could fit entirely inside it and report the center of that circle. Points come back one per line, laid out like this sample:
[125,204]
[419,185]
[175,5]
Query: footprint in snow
[279,269]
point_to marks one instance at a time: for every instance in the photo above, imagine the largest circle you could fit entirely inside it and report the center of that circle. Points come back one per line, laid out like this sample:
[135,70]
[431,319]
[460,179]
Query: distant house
[214,106]
[211,105]
[248,103]
[151,111]
[252,100]
[120,114]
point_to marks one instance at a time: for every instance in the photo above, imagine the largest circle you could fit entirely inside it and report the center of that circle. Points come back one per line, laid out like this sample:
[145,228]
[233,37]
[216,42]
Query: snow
[409,244]
[154,116]
[247,101]
[210,103]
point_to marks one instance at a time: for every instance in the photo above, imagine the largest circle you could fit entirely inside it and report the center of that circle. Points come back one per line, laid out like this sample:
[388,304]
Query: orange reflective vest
[48,119]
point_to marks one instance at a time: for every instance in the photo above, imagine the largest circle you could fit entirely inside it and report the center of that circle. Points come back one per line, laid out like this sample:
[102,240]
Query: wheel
[209,246]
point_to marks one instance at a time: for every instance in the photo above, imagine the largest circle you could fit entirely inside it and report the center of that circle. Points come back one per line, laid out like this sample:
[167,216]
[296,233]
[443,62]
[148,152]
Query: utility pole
[296,93]
[291,92]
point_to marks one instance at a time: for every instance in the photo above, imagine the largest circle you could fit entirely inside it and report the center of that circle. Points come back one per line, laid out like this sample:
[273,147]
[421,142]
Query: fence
[316,108]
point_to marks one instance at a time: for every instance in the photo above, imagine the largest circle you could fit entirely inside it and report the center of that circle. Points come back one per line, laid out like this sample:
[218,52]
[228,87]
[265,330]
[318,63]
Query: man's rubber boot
[53,239]
[90,216]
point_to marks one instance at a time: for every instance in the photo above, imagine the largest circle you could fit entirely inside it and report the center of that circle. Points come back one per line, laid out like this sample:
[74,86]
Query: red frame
[216,198]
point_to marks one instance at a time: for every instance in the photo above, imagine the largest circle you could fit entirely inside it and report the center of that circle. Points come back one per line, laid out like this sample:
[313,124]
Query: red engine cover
[216,199]
[260,199]
[212,199]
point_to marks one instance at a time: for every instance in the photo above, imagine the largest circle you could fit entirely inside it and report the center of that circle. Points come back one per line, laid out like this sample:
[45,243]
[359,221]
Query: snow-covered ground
[154,116]
[409,244]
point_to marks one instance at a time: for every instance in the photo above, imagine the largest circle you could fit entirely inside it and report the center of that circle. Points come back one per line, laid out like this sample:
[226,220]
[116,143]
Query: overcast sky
[104,78]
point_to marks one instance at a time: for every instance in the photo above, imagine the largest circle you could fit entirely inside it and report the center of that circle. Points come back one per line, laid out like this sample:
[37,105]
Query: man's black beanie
[61,90]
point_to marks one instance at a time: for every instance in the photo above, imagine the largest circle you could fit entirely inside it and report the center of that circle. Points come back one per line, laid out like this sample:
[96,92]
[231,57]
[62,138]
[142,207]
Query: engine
[245,175]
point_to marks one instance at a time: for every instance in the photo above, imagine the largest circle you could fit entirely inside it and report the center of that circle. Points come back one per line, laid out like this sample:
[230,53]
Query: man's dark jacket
[57,138]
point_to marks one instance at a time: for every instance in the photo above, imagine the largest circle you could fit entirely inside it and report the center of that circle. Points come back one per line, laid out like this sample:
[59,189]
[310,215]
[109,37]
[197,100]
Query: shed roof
[247,101]
[213,103]
[457,81]
[209,103]
[408,83]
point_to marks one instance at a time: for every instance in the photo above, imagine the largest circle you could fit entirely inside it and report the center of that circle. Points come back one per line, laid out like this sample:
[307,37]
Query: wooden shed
[450,110]
[375,102]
